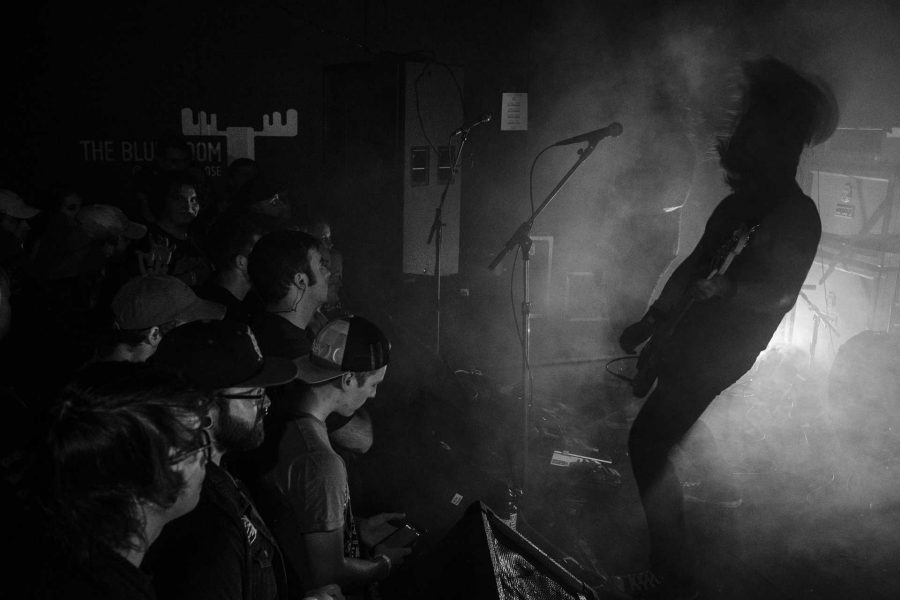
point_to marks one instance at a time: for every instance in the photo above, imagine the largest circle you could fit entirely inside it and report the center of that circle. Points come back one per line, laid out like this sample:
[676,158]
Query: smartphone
[406,535]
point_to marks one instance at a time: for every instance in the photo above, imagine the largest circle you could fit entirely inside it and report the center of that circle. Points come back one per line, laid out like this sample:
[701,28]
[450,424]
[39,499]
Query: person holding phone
[314,523]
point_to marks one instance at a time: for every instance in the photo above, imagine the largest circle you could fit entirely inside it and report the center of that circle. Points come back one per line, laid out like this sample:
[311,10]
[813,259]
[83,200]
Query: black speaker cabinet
[482,558]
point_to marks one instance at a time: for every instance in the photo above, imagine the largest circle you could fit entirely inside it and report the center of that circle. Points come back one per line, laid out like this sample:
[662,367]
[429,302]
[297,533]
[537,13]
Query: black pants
[682,394]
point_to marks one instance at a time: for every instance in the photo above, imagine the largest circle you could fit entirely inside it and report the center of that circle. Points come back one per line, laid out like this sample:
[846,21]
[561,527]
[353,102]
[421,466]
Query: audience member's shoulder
[278,337]
[209,525]
[106,576]
[307,437]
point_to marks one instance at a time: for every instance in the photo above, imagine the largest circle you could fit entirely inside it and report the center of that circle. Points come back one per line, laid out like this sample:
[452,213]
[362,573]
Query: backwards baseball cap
[101,220]
[152,300]
[350,344]
[11,204]
[220,354]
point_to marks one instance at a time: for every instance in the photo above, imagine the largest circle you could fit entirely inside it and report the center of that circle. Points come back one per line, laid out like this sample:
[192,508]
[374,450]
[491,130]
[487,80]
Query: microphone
[467,126]
[611,130]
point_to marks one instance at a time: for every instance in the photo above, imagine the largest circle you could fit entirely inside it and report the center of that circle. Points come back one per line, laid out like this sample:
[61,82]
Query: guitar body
[651,354]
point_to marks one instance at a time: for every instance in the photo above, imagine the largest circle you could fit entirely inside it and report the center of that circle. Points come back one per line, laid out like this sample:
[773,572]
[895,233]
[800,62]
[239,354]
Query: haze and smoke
[668,75]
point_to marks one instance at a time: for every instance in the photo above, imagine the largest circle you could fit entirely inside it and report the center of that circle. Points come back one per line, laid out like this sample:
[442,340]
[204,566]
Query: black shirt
[220,550]
[188,262]
[234,308]
[106,575]
[279,337]
[779,254]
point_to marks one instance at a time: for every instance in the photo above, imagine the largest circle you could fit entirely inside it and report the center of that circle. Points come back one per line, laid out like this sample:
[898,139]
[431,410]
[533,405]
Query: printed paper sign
[514,112]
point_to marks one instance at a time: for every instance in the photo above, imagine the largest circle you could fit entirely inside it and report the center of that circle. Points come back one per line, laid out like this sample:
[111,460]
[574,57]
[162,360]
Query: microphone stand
[437,234]
[522,239]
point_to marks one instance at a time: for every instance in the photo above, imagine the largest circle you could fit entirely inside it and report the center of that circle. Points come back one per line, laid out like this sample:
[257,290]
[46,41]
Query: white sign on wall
[514,112]
[212,149]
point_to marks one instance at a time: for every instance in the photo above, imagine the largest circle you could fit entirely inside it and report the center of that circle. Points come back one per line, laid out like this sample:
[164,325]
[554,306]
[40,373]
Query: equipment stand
[522,239]
[437,233]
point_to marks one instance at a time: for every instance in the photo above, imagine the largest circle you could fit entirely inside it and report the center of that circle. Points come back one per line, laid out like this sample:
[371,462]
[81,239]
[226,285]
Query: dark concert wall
[99,88]
[94,90]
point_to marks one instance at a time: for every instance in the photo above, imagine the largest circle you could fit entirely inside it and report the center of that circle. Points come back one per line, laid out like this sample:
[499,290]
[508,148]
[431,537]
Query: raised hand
[704,289]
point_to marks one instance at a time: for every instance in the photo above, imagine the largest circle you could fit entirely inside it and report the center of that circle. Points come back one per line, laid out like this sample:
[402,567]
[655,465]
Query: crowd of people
[183,386]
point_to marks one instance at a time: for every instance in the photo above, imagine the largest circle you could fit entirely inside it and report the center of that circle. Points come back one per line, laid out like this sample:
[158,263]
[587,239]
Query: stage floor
[818,515]
[819,506]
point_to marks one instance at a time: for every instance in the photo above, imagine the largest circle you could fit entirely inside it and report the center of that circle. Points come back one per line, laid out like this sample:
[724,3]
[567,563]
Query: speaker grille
[481,558]
[518,577]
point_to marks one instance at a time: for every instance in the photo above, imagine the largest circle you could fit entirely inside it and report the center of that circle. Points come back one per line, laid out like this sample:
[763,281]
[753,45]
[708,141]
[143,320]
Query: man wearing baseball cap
[348,360]
[224,550]
[147,308]
[107,222]
[14,215]
[81,250]
[14,228]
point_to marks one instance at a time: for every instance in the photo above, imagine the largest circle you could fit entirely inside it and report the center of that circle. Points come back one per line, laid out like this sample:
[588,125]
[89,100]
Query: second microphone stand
[522,239]
[437,234]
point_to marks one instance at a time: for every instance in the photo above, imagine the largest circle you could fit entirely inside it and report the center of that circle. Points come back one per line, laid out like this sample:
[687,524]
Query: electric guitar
[648,360]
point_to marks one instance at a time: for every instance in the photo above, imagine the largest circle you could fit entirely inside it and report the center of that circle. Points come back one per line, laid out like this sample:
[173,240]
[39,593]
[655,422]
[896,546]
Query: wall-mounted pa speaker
[433,110]
[387,155]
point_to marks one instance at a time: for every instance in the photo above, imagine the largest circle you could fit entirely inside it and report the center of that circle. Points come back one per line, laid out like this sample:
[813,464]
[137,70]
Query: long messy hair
[107,448]
[799,109]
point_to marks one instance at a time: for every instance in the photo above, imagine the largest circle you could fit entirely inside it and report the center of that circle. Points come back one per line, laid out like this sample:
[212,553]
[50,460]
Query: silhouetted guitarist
[730,316]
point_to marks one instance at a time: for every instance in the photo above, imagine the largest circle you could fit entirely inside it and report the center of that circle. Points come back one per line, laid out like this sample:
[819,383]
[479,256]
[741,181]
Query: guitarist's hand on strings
[718,285]
[637,333]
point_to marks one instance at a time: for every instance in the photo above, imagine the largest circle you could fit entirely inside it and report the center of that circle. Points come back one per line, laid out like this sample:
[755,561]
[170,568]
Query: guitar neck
[687,300]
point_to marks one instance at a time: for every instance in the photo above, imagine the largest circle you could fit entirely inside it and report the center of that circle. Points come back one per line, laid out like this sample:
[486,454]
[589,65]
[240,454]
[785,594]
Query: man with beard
[225,550]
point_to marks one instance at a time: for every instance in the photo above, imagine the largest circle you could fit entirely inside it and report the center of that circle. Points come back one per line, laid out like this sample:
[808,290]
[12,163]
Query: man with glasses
[122,455]
[223,550]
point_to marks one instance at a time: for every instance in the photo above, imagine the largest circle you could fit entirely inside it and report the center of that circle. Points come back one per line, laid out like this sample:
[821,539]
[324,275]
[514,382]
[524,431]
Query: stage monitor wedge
[482,558]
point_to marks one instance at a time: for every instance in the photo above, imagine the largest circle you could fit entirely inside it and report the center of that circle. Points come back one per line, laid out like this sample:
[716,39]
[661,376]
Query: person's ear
[347,379]
[240,261]
[300,280]
[211,419]
[154,336]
